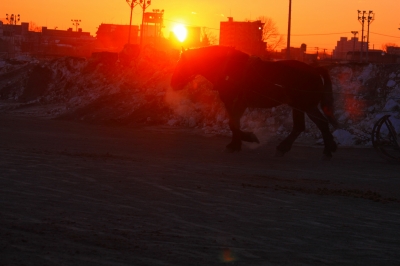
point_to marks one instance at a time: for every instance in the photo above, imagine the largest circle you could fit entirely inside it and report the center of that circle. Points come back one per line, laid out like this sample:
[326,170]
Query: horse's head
[183,72]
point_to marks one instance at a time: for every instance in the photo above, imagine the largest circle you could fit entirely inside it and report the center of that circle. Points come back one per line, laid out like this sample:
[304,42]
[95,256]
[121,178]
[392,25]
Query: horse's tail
[327,97]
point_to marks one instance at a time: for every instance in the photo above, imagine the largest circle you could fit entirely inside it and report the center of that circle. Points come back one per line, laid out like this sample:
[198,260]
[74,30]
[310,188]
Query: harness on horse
[251,68]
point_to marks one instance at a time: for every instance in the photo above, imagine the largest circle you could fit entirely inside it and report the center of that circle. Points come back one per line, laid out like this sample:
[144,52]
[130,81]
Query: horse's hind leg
[298,127]
[323,125]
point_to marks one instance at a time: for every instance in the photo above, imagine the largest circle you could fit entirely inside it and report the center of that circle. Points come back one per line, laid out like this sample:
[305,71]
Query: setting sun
[180,32]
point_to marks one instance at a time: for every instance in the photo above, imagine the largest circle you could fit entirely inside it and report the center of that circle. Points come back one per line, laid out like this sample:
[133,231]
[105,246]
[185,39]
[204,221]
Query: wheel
[384,139]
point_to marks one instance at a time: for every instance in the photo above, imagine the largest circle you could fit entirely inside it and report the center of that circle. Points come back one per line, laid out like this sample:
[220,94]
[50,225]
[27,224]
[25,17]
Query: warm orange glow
[180,32]
[355,108]
[314,22]
[227,256]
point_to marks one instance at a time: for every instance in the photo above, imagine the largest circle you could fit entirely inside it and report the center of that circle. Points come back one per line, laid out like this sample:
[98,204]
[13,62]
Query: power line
[297,35]
[188,24]
[385,35]
[317,34]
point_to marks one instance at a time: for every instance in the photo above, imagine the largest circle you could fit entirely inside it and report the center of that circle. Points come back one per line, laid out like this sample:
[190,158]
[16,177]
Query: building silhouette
[113,37]
[17,39]
[245,36]
[153,23]
[393,50]
[350,50]
[12,37]
[344,46]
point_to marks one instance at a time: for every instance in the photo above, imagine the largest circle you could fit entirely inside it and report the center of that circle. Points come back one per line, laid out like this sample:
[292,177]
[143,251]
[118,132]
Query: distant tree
[386,45]
[271,34]
[207,37]
[34,27]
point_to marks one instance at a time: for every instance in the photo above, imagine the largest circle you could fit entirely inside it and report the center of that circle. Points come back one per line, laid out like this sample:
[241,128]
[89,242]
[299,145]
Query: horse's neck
[211,68]
[215,63]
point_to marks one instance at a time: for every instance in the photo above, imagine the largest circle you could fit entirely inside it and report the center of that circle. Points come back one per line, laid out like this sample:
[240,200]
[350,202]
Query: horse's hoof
[279,153]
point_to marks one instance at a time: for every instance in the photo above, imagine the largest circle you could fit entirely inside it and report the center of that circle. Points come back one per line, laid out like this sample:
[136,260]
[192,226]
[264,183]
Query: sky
[317,23]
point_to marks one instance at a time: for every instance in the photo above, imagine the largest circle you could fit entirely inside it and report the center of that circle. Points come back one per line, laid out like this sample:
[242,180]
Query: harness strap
[225,65]
[251,68]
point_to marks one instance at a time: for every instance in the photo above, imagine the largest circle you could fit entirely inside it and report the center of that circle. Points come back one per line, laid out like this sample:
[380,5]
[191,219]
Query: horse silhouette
[244,81]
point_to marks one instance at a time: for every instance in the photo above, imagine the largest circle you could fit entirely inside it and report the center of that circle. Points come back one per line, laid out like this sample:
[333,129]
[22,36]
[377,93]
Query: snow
[391,105]
[343,137]
[391,83]
[98,92]
[366,73]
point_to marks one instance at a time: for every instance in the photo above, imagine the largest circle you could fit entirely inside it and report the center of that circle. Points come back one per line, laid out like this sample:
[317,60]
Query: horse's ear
[183,49]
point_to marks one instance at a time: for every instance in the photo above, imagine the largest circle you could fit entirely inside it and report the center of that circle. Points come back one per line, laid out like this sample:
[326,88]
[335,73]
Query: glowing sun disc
[180,32]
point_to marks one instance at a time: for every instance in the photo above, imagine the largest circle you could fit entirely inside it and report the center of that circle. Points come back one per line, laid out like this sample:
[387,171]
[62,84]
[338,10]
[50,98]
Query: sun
[180,32]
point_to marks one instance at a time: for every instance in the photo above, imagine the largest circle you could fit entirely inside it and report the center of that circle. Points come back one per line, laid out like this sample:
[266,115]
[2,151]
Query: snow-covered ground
[97,92]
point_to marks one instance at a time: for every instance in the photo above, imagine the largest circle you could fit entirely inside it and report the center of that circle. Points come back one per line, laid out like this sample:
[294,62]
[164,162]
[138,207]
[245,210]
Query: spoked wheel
[384,139]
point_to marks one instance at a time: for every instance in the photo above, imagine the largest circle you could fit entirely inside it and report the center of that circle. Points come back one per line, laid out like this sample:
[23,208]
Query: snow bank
[140,93]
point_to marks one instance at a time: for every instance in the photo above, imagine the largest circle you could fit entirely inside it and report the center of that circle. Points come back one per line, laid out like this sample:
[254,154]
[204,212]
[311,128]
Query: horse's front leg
[236,142]
[298,127]
[238,135]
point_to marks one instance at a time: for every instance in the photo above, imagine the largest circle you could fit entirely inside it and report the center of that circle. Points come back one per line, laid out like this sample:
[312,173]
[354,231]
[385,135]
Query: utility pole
[144,4]
[13,19]
[76,23]
[132,4]
[288,35]
[361,19]
[371,18]
[354,42]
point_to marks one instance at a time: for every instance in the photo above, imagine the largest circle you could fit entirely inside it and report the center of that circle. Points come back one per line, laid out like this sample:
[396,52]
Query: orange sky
[331,19]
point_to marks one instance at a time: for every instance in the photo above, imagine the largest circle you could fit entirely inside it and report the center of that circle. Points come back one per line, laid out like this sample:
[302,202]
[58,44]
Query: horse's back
[297,67]
[287,82]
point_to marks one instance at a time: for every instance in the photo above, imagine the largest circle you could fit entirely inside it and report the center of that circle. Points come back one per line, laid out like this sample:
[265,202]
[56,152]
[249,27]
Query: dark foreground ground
[76,194]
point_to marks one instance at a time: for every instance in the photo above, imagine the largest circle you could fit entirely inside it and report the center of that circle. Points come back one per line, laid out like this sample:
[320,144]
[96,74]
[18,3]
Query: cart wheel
[384,139]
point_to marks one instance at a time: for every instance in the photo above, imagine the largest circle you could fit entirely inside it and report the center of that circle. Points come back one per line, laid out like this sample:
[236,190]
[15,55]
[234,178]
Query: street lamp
[361,19]
[13,19]
[144,4]
[371,18]
[132,4]
[76,23]
[354,42]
